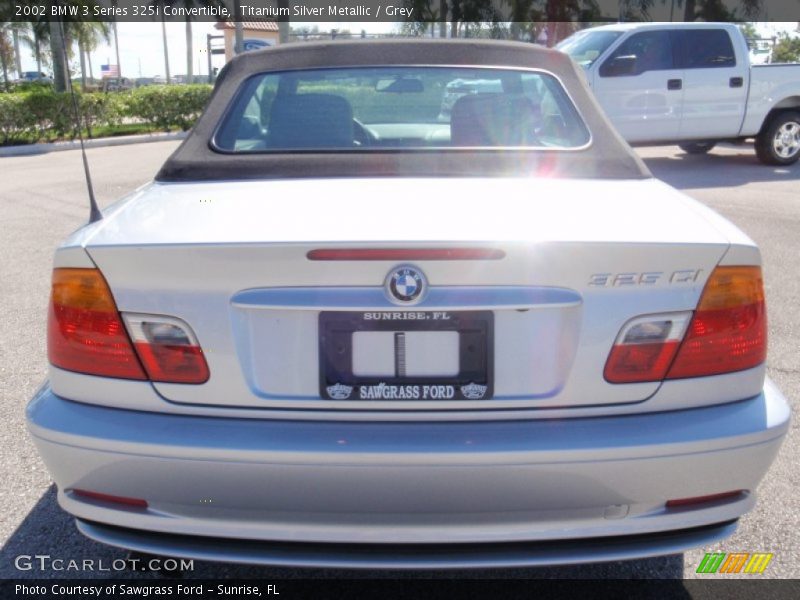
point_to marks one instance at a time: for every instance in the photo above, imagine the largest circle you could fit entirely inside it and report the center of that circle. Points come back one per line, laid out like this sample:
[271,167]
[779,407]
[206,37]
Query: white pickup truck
[690,83]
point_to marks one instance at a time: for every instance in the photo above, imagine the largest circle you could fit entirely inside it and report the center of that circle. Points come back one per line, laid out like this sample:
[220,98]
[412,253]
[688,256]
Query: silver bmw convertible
[342,328]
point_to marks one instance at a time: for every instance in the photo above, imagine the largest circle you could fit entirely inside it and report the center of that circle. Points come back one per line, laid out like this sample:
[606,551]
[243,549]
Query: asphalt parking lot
[42,199]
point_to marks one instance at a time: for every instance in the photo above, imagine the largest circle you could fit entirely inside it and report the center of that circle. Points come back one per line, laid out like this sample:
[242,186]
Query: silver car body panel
[384,482]
[252,297]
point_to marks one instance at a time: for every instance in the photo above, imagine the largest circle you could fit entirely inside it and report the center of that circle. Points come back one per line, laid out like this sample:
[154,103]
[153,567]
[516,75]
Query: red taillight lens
[86,334]
[168,349]
[727,332]
[639,362]
[729,329]
[84,330]
[406,254]
[645,347]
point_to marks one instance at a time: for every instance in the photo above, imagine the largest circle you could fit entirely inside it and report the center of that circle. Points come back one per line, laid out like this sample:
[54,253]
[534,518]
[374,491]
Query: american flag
[109,70]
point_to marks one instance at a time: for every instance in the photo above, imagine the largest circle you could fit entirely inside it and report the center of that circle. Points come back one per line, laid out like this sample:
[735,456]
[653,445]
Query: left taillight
[87,334]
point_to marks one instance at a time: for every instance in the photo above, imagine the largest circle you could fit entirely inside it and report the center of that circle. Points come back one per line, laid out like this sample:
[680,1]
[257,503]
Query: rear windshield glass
[400,107]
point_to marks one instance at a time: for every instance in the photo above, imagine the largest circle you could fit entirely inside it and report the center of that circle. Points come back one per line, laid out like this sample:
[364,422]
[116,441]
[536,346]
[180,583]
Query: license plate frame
[476,356]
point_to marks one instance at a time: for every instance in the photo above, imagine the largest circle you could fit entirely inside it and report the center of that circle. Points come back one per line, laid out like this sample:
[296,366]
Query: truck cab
[690,83]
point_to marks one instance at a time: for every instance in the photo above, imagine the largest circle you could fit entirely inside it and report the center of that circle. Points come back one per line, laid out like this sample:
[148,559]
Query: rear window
[367,109]
[707,49]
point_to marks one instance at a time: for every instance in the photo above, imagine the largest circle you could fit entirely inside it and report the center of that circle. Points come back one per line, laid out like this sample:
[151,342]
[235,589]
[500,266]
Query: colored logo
[734,562]
[405,284]
[254,44]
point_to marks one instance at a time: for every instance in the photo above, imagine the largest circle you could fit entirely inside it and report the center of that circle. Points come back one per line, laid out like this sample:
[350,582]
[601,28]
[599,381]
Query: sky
[141,48]
[142,55]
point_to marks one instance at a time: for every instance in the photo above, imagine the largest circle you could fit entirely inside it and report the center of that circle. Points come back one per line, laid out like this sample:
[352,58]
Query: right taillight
[168,349]
[728,331]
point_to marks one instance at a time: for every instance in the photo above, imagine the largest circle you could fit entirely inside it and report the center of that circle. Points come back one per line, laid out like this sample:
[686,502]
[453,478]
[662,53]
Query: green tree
[748,30]
[425,17]
[717,10]
[787,50]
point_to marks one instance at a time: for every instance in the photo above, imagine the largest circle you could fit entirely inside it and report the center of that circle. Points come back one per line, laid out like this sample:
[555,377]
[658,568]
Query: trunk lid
[582,257]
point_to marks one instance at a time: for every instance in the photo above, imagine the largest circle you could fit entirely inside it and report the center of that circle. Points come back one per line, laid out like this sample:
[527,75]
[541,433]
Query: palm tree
[189,38]
[283,24]
[6,50]
[189,50]
[57,49]
[39,34]
[116,42]
[16,30]
[166,48]
[89,34]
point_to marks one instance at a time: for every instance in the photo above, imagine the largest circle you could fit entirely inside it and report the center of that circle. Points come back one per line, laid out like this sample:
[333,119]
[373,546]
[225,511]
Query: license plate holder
[476,362]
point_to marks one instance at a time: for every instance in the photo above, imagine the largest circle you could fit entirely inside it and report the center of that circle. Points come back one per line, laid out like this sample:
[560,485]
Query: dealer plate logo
[405,285]
[339,391]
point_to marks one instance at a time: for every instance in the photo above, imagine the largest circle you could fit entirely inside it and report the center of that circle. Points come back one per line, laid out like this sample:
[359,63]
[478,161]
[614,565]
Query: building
[257,35]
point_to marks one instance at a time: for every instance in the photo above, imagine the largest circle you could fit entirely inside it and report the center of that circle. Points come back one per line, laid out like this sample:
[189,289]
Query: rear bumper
[575,483]
[417,556]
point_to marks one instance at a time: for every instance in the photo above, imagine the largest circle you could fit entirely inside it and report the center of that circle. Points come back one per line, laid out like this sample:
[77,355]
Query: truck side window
[645,51]
[707,49]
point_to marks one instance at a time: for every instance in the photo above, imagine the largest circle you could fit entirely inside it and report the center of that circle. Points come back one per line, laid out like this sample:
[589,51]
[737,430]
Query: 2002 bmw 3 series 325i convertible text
[354,324]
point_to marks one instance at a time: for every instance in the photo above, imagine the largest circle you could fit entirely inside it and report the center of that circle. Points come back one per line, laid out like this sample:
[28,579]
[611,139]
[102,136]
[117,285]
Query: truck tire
[779,142]
[697,147]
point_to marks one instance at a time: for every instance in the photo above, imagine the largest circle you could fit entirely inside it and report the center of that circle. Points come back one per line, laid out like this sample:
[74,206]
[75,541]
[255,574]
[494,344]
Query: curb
[31,149]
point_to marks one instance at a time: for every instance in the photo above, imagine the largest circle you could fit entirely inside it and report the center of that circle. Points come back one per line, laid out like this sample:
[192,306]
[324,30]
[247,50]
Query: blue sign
[255,44]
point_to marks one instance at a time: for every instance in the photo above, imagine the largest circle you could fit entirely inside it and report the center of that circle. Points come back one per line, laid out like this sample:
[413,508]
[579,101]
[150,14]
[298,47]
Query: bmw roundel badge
[405,284]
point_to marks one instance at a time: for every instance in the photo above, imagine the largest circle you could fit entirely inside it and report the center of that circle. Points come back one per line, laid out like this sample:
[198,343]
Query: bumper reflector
[703,499]
[124,500]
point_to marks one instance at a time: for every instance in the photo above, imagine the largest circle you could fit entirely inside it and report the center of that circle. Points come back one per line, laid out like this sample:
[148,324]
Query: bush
[52,113]
[94,110]
[117,108]
[42,114]
[16,123]
[165,106]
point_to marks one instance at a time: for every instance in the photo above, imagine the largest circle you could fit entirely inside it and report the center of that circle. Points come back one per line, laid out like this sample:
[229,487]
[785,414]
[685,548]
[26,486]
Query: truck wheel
[697,147]
[779,142]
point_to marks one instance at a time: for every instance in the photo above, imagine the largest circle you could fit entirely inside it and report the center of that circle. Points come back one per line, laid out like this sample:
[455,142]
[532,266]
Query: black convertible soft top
[607,157]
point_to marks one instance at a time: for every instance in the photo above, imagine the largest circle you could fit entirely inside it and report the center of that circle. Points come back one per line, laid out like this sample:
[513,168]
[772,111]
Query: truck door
[641,89]
[714,84]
